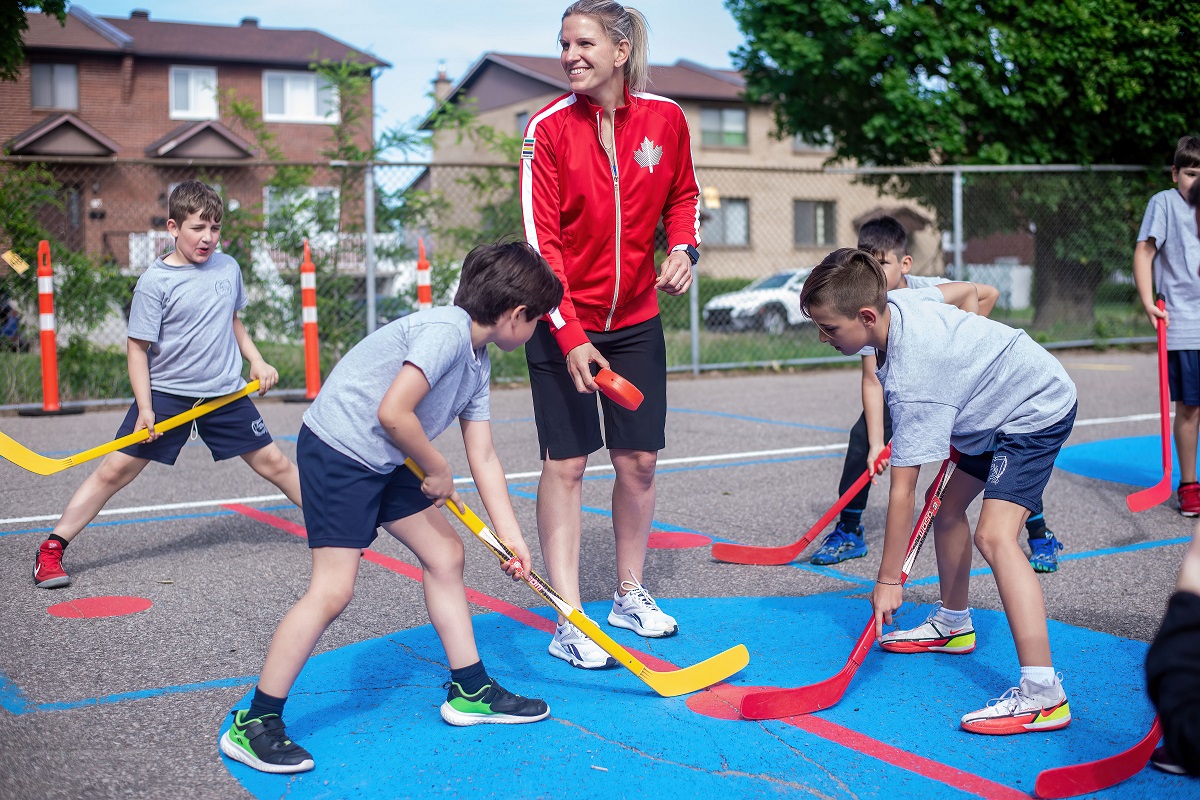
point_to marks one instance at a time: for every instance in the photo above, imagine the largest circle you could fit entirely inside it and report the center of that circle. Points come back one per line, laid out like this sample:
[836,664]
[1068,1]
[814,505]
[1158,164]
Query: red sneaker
[48,572]
[1189,499]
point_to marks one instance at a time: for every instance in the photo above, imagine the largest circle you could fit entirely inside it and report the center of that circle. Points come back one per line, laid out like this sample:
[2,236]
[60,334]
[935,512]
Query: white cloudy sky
[414,35]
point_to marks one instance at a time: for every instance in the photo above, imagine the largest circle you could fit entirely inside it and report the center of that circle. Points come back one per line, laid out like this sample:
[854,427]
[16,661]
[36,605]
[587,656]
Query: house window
[728,225]
[298,97]
[55,86]
[522,122]
[815,223]
[801,146]
[723,127]
[193,93]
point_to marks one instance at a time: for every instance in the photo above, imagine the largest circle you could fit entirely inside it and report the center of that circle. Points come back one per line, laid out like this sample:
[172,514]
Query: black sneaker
[492,703]
[262,743]
[1163,760]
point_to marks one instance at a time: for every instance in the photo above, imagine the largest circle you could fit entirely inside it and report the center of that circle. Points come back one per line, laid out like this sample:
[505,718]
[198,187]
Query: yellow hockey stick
[668,684]
[23,457]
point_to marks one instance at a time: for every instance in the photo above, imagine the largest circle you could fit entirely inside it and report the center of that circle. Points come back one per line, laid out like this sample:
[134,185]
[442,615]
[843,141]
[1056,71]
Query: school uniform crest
[648,155]
[999,464]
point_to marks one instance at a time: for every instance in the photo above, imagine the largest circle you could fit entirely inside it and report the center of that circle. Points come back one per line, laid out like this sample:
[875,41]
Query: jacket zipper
[612,162]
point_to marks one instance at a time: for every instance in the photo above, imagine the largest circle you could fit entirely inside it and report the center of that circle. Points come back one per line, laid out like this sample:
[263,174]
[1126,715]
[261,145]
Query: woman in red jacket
[599,168]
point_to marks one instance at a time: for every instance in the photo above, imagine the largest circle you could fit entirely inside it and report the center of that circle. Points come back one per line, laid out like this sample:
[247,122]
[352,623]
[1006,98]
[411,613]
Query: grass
[87,372]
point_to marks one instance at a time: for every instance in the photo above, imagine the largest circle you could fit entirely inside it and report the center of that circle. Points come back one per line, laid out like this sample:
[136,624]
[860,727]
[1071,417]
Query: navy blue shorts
[1183,376]
[344,502]
[231,430]
[1020,466]
[567,423]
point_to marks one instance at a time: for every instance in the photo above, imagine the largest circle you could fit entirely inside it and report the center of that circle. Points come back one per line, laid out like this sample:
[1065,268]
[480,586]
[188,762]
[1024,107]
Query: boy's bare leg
[1187,426]
[952,540]
[632,508]
[330,590]
[439,549]
[997,537]
[560,523]
[272,464]
[114,474]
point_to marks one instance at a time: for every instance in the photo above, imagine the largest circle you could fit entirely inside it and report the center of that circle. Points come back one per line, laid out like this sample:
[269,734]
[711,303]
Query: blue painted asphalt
[369,714]
[1136,460]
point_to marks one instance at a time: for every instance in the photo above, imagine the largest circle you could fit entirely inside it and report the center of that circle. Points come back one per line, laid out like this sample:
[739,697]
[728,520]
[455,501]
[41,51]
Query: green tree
[960,82]
[13,24]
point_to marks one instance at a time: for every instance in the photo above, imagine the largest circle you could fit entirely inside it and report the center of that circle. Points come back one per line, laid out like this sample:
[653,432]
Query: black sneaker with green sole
[491,704]
[263,743]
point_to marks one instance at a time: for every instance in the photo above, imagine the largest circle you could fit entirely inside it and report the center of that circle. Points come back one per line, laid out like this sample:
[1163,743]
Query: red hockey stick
[751,554]
[779,703]
[1159,492]
[1095,776]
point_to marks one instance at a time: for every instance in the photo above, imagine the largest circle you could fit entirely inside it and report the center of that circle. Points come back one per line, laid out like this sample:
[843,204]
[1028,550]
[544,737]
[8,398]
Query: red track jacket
[594,223]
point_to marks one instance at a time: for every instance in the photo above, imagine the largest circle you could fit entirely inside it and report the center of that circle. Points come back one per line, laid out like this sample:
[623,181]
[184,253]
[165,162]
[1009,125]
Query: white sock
[1043,682]
[955,619]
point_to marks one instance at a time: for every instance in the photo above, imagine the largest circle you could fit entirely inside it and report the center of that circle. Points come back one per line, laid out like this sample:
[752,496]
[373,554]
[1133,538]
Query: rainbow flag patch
[527,148]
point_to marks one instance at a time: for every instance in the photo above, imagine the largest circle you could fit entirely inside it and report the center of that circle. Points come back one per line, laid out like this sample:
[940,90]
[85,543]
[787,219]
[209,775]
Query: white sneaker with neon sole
[932,636]
[637,611]
[1022,709]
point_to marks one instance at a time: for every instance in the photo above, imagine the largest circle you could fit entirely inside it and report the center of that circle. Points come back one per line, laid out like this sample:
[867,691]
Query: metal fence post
[958,225]
[694,315]
[369,228]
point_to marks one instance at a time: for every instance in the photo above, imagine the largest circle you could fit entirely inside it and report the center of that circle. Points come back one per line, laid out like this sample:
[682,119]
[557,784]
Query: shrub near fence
[1062,264]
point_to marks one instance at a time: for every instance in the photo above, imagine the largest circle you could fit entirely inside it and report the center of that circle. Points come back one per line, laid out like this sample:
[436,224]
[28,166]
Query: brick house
[122,109]
[769,205]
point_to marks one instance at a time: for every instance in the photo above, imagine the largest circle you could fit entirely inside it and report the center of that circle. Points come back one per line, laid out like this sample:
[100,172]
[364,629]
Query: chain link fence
[1057,243]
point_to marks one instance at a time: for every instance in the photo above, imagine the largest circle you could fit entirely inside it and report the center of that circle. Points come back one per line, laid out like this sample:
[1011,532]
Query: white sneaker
[637,611]
[572,646]
[1022,709]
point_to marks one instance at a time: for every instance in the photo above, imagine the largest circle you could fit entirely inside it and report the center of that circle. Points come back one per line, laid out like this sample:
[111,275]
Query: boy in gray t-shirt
[1167,259]
[186,344]
[385,401]
[955,379]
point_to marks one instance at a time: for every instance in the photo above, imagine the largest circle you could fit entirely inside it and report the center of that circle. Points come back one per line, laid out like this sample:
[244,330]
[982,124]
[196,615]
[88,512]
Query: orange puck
[619,390]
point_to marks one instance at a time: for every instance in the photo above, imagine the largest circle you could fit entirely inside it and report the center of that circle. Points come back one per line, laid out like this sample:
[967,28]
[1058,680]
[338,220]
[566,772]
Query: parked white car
[770,304]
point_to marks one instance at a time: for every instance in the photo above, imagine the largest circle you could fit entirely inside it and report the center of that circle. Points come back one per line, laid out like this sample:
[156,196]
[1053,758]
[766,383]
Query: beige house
[769,204]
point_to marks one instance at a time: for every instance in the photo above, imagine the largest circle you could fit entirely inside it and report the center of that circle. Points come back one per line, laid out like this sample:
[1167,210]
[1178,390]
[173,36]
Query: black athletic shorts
[567,423]
[1183,376]
[231,430]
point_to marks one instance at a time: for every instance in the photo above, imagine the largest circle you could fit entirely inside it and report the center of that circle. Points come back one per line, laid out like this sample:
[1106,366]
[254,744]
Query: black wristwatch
[692,253]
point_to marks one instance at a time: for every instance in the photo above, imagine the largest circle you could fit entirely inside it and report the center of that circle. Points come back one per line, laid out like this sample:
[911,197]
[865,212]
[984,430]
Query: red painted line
[95,607]
[718,701]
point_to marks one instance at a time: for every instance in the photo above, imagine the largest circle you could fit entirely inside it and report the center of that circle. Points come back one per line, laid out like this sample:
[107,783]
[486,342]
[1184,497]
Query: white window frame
[55,70]
[299,195]
[294,84]
[200,81]
[823,223]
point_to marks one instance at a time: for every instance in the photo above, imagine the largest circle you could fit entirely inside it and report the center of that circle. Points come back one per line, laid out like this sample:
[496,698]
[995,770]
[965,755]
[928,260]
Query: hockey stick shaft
[22,456]
[667,684]
[1159,492]
[778,703]
[751,554]
[1096,776]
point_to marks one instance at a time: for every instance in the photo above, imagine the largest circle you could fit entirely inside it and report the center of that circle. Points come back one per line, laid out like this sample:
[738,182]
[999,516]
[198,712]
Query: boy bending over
[386,400]
[955,378]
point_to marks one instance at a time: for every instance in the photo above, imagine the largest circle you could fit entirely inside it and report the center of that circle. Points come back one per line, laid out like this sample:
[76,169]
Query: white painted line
[512,476]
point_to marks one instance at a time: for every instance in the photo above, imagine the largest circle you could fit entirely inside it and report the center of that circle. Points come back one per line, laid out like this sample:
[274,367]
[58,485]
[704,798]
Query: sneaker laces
[836,539]
[1013,696]
[640,596]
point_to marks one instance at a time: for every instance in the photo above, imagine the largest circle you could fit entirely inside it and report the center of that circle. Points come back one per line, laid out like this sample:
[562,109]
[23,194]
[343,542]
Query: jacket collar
[591,110]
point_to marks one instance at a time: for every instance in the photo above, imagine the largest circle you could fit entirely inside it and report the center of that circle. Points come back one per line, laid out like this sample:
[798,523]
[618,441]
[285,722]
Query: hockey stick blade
[668,684]
[1159,492]
[773,556]
[1096,776]
[779,703]
[23,457]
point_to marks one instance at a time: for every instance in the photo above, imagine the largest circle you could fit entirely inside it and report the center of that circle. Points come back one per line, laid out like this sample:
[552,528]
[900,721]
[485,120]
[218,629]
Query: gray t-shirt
[953,378]
[912,282]
[186,313]
[1171,223]
[437,341]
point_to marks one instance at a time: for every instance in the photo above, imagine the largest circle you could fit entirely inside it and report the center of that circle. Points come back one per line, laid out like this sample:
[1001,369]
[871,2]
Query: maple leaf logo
[648,155]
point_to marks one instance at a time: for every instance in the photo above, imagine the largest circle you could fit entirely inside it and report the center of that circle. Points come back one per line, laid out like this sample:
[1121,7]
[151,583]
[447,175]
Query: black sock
[851,519]
[264,703]
[471,679]
[1036,527]
[53,538]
